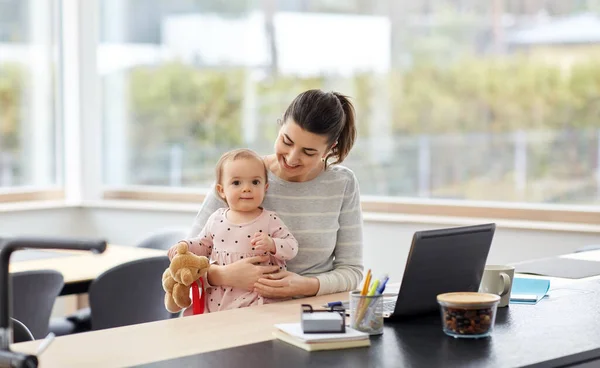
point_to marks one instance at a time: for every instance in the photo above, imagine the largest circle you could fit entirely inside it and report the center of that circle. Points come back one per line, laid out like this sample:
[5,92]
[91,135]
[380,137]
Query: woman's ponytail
[347,136]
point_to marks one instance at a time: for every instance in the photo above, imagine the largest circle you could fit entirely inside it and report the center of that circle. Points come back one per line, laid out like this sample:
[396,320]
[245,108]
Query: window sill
[507,212]
[528,212]
[369,217]
[34,206]
[156,194]
[143,205]
[15,199]
[451,221]
[375,209]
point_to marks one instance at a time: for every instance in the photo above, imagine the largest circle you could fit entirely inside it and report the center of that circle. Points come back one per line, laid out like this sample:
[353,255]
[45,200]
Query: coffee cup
[498,280]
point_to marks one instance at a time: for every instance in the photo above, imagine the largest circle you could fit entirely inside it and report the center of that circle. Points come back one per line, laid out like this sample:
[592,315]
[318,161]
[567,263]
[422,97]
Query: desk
[156,341]
[80,268]
[553,329]
[520,340]
[524,335]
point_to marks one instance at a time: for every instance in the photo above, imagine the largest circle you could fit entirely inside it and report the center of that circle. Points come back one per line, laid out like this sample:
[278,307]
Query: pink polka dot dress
[225,242]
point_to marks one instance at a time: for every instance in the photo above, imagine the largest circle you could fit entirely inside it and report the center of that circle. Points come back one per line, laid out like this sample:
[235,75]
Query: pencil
[367,302]
[364,291]
[365,288]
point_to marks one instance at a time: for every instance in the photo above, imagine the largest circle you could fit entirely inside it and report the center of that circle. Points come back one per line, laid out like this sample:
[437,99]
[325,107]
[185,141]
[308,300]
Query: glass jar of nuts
[468,314]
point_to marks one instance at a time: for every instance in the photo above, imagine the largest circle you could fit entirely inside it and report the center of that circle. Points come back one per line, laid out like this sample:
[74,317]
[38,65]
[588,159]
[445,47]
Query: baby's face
[244,184]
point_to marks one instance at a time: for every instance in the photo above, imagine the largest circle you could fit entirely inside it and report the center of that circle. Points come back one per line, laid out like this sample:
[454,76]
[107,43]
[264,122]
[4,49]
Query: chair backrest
[33,297]
[20,332]
[128,294]
[164,238]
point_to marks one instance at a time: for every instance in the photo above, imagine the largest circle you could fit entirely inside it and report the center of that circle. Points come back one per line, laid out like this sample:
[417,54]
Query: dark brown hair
[237,154]
[330,114]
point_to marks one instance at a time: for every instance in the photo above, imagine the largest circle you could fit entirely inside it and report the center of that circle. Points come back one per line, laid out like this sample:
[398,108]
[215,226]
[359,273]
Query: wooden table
[150,342]
[80,268]
[168,339]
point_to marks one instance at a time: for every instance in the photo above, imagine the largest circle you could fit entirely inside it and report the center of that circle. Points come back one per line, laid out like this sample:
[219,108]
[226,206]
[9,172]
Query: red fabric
[198,300]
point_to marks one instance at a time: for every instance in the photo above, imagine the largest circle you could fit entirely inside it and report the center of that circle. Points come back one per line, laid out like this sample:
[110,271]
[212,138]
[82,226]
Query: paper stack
[292,334]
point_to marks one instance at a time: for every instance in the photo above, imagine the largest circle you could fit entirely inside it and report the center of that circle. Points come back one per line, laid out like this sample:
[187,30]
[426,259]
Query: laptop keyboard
[389,305]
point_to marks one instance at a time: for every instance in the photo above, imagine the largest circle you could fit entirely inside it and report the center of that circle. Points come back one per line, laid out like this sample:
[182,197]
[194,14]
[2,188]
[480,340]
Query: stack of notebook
[292,334]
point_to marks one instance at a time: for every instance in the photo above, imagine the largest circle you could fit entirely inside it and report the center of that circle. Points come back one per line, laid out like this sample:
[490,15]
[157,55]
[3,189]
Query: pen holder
[366,313]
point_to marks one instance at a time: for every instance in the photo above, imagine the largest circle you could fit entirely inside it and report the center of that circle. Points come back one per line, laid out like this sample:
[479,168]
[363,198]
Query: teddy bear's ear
[182,247]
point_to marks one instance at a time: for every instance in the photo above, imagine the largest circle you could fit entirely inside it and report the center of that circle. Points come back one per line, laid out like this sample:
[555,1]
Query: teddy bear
[185,270]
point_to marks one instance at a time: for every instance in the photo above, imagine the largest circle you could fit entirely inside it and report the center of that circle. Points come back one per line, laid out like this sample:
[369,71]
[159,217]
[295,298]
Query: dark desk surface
[558,331]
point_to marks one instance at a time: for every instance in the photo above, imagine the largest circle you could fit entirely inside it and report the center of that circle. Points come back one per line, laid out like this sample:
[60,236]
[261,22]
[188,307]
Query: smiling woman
[319,203]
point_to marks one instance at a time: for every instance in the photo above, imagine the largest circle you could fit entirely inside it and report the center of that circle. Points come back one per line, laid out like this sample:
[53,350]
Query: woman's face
[299,152]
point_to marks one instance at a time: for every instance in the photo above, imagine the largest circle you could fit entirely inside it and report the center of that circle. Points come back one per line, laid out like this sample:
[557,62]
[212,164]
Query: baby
[244,229]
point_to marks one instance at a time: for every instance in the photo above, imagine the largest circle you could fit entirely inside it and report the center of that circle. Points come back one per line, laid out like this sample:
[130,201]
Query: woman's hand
[286,284]
[241,274]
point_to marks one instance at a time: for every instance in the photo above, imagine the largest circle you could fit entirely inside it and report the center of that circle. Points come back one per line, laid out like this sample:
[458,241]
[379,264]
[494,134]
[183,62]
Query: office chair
[20,332]
[34,294]
[127,294]
[163,239]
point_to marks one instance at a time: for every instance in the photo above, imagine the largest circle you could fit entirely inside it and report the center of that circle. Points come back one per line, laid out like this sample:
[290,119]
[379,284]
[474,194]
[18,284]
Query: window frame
[32,192]
[534,212]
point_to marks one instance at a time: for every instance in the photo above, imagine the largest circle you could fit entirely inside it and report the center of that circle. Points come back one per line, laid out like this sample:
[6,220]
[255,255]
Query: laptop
[440,261]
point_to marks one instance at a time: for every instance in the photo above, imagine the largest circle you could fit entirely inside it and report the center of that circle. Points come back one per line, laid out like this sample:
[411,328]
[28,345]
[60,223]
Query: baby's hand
[262,241]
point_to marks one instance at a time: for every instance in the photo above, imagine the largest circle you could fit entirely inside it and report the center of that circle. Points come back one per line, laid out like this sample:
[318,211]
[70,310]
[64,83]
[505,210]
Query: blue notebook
[528,291]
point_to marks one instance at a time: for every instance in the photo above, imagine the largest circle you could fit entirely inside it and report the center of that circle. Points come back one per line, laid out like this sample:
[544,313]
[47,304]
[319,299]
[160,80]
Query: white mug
[498,280]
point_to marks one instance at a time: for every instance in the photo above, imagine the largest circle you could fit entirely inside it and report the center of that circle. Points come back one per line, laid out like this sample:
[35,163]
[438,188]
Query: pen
[381,287]
[374,288]
[367,302]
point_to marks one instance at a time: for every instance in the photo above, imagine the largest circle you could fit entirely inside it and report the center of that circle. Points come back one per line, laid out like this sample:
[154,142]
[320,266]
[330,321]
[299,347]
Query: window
[456,99]
[29,68]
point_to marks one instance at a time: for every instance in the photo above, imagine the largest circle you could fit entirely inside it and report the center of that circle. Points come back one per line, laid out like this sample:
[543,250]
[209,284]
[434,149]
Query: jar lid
[468,298]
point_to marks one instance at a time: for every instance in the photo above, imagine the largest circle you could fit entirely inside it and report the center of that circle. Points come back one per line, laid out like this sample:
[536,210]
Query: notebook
[292,333]
[528,291]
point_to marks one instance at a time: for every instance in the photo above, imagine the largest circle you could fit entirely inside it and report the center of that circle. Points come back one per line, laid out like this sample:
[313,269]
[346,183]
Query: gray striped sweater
[324,215]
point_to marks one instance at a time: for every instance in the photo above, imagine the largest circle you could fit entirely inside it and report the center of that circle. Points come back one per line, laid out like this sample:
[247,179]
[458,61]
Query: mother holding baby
[317,199]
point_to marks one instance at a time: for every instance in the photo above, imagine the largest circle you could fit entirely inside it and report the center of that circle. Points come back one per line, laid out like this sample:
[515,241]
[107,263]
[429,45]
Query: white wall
[386,243]
[51,221]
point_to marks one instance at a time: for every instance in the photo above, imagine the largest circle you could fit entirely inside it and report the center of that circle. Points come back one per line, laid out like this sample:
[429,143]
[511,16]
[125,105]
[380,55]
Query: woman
[317,199]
